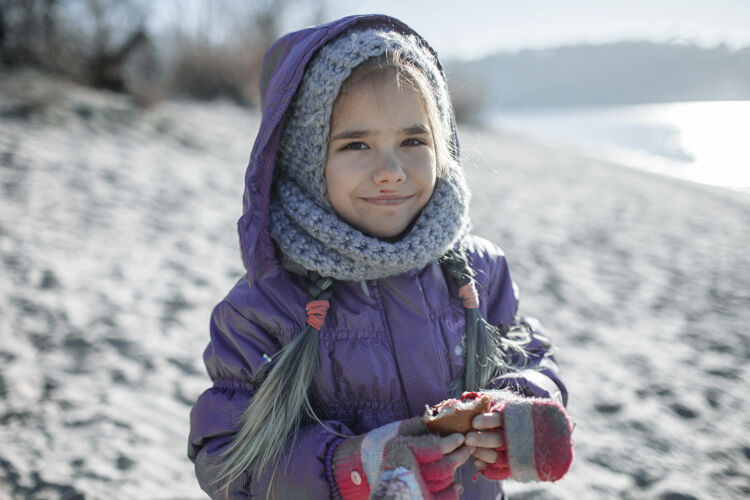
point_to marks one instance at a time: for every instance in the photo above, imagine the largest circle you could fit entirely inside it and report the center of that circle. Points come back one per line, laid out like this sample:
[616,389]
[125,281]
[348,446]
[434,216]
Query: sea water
[706,141]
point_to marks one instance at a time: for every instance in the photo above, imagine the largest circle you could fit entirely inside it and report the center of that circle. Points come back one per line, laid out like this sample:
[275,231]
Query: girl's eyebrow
[350,134]
[417,129]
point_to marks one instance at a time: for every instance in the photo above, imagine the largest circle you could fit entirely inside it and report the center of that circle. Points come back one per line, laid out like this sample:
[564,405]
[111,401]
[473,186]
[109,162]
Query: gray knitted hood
[285,187]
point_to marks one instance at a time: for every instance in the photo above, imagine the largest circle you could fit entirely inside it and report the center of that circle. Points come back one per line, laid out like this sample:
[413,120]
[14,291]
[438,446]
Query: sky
[470,29]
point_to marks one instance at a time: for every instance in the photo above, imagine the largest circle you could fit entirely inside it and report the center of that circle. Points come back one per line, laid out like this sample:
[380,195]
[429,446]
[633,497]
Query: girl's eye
[355,146]
[413,142]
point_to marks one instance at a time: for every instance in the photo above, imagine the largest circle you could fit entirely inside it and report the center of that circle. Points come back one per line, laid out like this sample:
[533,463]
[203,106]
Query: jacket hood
[283,69]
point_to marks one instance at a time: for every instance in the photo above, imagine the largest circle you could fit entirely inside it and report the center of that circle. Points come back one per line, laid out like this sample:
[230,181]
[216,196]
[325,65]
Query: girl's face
[380,170]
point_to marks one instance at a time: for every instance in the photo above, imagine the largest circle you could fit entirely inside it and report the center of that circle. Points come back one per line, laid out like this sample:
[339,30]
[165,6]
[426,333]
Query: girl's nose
[389,171]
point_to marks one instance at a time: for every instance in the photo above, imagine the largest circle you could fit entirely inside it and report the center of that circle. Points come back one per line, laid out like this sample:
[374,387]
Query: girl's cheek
[350,160]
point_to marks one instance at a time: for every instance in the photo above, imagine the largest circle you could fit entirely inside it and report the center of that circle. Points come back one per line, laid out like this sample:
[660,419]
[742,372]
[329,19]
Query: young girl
[366,298]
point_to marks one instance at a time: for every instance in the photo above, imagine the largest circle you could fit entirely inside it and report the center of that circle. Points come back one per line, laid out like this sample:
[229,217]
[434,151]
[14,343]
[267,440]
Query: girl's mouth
[387,199]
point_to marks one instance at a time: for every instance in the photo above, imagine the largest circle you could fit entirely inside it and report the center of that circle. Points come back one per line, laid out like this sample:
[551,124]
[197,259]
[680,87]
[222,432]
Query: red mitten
[500,470]
[537,435]
[398,460]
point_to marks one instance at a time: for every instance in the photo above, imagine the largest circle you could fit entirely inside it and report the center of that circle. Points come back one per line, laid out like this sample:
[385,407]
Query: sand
[117,237]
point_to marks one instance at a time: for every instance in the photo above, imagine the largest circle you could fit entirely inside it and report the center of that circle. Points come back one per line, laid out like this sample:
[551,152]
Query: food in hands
[456,415]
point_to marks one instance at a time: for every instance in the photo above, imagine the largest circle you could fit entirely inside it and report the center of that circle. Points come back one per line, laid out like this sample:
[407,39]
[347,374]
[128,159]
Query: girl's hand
[516,426]
[433,458]
[488,441]
[397,458]
[455,449]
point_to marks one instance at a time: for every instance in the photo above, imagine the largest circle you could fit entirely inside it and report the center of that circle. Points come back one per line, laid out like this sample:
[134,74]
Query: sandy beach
[117,237]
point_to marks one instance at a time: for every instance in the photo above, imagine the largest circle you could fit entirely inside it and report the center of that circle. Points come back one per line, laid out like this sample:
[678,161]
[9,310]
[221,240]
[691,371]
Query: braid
[486,347]
[282,400]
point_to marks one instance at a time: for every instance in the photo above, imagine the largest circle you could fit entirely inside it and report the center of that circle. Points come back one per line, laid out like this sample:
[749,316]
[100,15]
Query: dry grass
[204,71]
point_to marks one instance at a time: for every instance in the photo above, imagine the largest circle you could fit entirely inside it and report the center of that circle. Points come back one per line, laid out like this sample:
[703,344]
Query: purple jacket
[387,348]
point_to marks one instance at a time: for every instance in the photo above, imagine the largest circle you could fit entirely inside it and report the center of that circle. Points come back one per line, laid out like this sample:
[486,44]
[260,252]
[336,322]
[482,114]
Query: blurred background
[658,85]
[605,145]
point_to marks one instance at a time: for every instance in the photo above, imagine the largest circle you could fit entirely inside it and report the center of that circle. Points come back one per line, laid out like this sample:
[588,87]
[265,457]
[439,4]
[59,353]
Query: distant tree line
[616,73]
[202,49]
[110,44]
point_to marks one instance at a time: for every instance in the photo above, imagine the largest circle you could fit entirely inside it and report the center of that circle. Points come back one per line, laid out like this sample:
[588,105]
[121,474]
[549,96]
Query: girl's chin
[390,235]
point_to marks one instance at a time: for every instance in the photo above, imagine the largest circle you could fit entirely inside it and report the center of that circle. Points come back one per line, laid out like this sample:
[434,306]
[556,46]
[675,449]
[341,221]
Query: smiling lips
[388,199]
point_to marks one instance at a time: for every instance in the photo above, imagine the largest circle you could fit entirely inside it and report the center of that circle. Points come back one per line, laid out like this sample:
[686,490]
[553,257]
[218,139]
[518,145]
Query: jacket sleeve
[536,374]
[232,358]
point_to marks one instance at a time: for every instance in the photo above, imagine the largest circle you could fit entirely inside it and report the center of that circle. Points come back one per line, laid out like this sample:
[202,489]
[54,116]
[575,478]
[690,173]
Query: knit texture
[400,458]
[415,464]
[303,222]
[537,436]
[347,465]
[553,449]
[318,240]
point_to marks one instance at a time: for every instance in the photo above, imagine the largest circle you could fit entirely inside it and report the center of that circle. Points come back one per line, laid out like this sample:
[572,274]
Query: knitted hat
[304,139]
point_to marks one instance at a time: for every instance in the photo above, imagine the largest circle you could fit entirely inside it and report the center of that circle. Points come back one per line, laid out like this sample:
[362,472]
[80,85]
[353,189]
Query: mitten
[537,439]
[398,460]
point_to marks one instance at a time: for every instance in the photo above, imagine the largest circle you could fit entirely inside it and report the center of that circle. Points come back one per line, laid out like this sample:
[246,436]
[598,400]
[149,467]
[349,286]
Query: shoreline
[670,138]
[739,194]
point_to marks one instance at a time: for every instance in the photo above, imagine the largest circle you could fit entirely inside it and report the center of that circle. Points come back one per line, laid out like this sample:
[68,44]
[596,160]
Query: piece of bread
[454,415]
